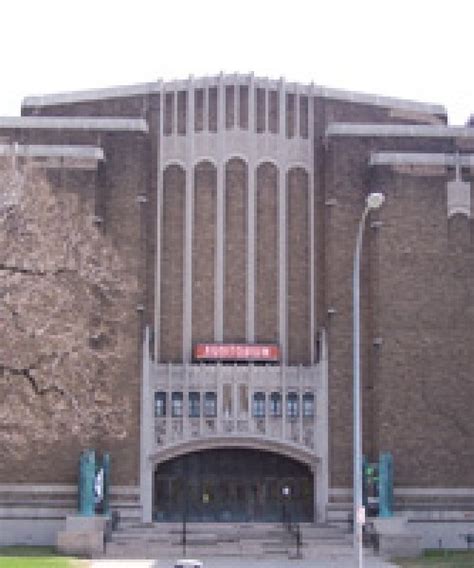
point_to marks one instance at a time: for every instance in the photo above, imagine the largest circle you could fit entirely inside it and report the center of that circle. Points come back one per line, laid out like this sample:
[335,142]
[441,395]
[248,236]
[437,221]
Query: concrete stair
[155,540]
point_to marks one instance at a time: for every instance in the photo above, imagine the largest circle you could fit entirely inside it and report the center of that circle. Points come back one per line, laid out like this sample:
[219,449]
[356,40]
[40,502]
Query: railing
[293,530]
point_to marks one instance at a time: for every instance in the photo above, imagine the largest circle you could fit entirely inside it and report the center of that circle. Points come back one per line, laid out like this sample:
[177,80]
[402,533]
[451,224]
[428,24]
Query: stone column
[189,223]
[220,218]
[159,221]
[251,218]
[147,431]
[322,434]
[282,232]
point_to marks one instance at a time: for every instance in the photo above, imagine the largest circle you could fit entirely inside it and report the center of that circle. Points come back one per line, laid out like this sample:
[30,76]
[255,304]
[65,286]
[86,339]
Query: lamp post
[374,201]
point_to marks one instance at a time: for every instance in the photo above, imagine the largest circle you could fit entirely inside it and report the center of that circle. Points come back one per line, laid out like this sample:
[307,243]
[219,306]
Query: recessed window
[160,404]
[308,405]
[194,404]
[259,404]
[275,404]
[177,404]
[210,404]
[292,405]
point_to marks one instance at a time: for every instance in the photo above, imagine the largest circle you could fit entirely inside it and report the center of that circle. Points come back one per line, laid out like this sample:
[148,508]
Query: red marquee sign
[236,352]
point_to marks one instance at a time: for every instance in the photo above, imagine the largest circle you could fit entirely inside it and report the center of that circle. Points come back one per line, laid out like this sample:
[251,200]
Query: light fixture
[375,200]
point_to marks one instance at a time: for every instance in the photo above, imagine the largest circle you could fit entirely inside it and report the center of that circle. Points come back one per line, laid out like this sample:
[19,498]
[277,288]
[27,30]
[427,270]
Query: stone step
[154,540]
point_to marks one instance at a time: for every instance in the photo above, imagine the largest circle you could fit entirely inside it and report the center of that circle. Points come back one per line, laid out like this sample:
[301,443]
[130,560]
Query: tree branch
[26,372]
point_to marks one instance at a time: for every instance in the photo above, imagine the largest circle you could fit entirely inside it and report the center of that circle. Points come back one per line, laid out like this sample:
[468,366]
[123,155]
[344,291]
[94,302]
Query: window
[160,404]
[259,404]
[308,405]
[177,404]
[194,404]
[292,405]
[275,404]
[210,404]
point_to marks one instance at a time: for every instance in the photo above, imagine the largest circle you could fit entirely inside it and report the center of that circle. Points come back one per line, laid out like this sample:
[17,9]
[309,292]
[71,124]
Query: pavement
[330,560]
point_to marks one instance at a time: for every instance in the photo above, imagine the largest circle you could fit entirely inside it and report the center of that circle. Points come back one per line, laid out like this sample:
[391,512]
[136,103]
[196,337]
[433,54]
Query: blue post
[106,468]
[364,481]
[386,484]
[86,503]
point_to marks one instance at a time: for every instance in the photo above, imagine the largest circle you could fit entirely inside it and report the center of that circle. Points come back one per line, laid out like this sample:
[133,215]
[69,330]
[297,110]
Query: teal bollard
[86,503]
[386,484]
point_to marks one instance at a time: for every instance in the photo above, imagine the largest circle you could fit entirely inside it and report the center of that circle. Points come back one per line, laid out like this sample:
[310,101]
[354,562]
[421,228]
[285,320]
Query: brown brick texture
[235,251]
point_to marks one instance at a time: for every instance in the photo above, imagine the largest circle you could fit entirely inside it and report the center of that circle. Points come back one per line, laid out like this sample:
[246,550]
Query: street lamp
[374,201]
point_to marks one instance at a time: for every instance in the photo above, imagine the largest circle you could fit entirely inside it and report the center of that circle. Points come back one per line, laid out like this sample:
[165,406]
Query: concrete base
[89,544]
[84,536]
[399,545]
[29,532]
[395,539]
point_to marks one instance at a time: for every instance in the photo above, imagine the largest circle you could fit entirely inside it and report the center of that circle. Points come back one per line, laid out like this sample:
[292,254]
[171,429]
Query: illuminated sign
[236,352]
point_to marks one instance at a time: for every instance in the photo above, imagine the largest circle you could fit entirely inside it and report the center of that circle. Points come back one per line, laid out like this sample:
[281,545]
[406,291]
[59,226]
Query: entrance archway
[233,485]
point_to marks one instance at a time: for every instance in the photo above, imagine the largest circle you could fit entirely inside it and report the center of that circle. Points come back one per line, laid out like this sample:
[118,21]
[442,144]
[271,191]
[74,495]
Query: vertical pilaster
[236,103]
[267,107]
[169,422]
[252,420]
[297,113]
[268,392]
[202,394]
[283,403]
[300,405]
[186,430]
[159,223]
[322,433]
[282,232]
[251,222]
[205,110]
[174,129]
[189,221]
[235,403]
[220,399]
[311,213]
[220,217]
[146,434]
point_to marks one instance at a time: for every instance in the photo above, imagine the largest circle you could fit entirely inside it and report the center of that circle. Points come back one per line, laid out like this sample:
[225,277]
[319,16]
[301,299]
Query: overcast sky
[415,49]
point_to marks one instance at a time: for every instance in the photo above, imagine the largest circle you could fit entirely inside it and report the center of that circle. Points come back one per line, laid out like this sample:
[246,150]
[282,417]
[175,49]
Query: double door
[236,487]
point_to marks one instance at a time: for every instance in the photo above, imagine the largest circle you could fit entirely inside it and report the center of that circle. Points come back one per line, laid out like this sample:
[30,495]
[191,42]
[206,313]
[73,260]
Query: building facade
[235,200]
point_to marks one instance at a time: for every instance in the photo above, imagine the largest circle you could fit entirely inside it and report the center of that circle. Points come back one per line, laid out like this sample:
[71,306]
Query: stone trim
[51,151]
[398,130]
[435,491]
[286,448]
[305,89]
[413,491]
[40,488]
[420,159]
[74,123]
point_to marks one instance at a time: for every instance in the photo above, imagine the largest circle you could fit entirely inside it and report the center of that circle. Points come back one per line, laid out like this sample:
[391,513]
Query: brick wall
[172,238]
[204,238]
[266,255]
[235,251]
[416,299]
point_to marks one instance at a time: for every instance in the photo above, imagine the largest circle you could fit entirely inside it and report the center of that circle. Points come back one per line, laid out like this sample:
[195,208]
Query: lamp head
[375,200]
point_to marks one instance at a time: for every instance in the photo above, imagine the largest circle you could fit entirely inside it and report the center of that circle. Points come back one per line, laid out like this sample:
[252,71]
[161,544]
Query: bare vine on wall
[65,305]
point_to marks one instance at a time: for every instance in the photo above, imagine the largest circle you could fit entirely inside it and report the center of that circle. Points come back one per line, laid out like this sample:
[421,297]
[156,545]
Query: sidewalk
[334,560]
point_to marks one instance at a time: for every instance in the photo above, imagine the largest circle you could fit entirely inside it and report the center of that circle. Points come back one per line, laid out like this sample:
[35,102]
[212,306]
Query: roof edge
[113,124]
[305,89]
[398,130]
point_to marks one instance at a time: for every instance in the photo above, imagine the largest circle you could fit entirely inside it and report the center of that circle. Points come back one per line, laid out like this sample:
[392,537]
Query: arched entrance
[232,485]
